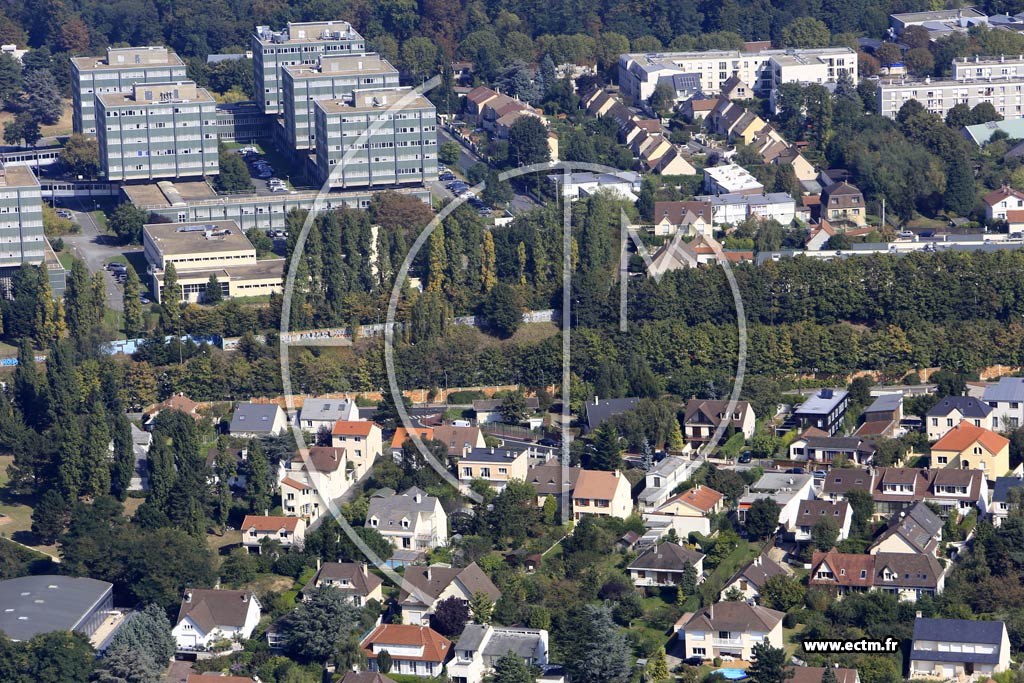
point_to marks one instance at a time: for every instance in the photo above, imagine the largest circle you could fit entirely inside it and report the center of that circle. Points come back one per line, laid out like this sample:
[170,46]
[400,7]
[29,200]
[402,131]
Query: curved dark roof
[39,604]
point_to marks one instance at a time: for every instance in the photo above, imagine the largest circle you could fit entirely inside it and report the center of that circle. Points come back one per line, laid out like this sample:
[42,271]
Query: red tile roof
[435,646]
[996,196]
[401,434]
[702,498]
[965,434]
[847,568]
[352,428]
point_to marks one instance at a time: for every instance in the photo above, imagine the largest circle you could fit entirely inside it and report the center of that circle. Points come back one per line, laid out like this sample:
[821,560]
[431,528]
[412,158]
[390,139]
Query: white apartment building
[996,80]
[639,73]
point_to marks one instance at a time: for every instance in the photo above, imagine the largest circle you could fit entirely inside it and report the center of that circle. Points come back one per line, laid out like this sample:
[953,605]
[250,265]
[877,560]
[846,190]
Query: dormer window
[374,521]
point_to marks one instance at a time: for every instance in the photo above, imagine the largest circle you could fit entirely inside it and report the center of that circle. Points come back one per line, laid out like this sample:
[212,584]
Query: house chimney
[245,597]
[492,450]
[617,474]
[596,400]
[266,512]
[318,564]
[428,573]
[918,614]
[363,568]
[188,596]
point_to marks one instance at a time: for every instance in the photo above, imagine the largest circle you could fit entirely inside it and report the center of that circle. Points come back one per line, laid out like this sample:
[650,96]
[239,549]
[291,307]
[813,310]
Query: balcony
[727,642]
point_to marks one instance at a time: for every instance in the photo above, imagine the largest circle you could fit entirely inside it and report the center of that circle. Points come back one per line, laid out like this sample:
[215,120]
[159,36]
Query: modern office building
[761,71]
[21,218]
[118,72]
[335,77]
[196,202]
[159,130]
[201,250]
[297,43]
[996,80]
[380,138]
[243,122]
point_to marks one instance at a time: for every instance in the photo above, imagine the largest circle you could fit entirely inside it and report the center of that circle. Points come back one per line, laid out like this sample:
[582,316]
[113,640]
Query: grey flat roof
[499,455]
[18,176]
[1007,389]
[887,402]
[40,604]
[188,238]
[820,405]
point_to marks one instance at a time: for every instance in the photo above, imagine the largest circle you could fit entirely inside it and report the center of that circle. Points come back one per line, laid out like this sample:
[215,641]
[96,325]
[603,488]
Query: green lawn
[101,220]
[66,259]
[791,639]
[743,554]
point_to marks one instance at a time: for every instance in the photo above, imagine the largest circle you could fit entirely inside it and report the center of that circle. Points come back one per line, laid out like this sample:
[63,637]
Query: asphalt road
[520,203]
[89,246]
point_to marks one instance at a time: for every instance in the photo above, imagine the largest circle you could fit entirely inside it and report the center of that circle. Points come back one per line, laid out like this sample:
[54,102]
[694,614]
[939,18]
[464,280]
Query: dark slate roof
[431,581]
[757,572]
[498,455]
[1007,389]
[811,511]
[682,82]
[600,410]
[39,604]
[840,480]
[885,403]
[919,527]
[254,418]
[734,616]
[958,631]
[666,557]
[967,405]
[1001,494]
[913,570]
[210,608]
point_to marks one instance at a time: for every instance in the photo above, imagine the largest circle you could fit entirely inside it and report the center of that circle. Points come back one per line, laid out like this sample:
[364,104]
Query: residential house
[257,419]
[843,205]
[489,410]
[734,122]
[424,587]
[955,648]
[905,575]
[672,162]
[664,565]
[402,435]
[362,439]
[750,579]
[730,179]
[208,616]
[703,417]
[179,402]
[824,410]
[663,478]
[818,236]
[601,493]
[686,512]
[354,579]
[840,481]
[697,109]
[366,676]
[827,449]
[459,439]
[141,442]
[496,466]
[412,521]
[969,447]
[475,101]
[414,650]
[321,413]
[815,674]
[553,480]
[1006,397]
[288,531]
[957,490]
[917,530]
[620,185]
[599,410]
[897,489]
[810,512]
[308,485]
[952,410]
[703,249]
[1002,499]
[689,217]
[481,646]
[882,418]
[729,209]
[735,89]
[787,490]
[732,629]
[999,202]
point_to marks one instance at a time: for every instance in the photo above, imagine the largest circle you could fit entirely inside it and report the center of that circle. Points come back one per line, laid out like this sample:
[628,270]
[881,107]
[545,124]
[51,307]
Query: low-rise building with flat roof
[334,77]
[384,137]
[200,251]
[117,72]
[159,130]
[185,201]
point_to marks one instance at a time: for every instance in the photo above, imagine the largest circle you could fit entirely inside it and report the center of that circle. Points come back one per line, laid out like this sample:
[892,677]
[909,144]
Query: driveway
[467,159]
[90,245]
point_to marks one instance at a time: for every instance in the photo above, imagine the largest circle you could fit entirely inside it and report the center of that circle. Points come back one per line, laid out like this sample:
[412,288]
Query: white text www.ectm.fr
[859,645]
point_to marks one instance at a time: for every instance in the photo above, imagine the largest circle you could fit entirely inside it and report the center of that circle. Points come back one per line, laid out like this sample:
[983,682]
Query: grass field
[62,127]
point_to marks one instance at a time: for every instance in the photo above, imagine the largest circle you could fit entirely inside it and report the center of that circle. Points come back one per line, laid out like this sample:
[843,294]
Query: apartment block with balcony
[159,130]
[334,77]
[298,43]
[384,138]
[117,72]
[996,80]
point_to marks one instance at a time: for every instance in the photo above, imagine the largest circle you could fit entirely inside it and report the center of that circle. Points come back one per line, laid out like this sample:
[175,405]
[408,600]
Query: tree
[663,99]
[762,518]
[81,156]
[607,452]
[888,54]
[42,101]
[133,320]
[448,153]
[840,240]
[513,407]
[12,131]
[213,294]
[657,666]
[60,657]
[824,533]
[829,675]
[528,142]
[919,61]
[258,486]
[450,616]
[863,508]
[28,129]
[234,174]
[126,221]
[49,517]
[384,662]
[121,664]
[805,32]
[481,607]
[313,630]
[510,668]
[783,592]
[150,632]
[597,652]
[10,77]
[503,310]
[960,191]
[688,582]
[170,299]
[984,112]
[769,665]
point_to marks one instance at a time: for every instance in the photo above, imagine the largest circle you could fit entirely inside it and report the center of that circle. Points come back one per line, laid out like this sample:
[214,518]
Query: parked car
[693,661]
[548,441]
[64,213]
[446,176]
[796,470]
[746,456]
[143,300]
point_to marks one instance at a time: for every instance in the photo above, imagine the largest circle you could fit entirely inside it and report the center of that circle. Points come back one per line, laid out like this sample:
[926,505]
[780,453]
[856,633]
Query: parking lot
[266,178]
